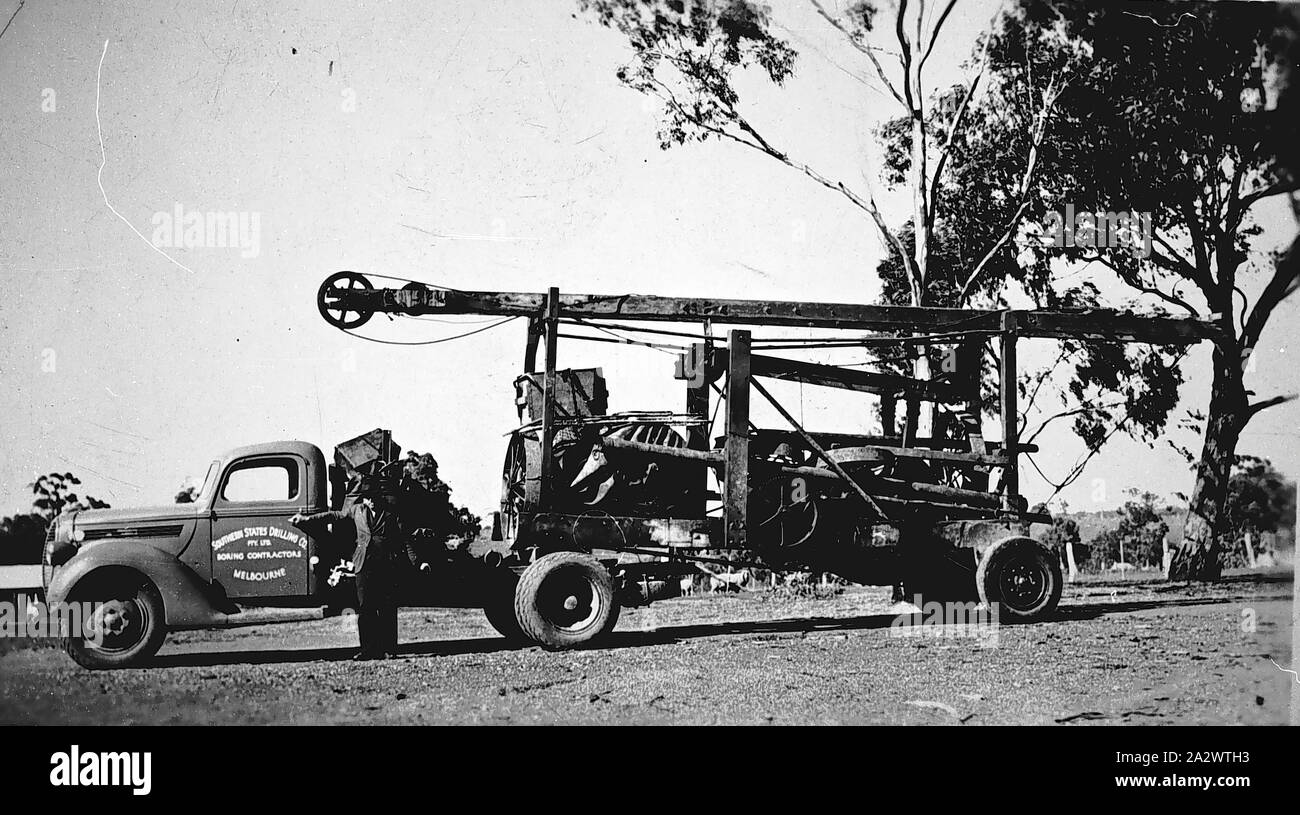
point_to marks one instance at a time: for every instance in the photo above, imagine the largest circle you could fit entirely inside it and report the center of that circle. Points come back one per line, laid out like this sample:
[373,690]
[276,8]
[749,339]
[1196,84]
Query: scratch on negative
[1175,24]
[1286,670]
[103,159]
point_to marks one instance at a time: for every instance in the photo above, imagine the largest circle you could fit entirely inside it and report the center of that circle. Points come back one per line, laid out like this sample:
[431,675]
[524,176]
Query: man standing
[378,543]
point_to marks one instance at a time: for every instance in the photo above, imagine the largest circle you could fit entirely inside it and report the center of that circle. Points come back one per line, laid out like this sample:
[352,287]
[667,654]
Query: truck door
[255,552]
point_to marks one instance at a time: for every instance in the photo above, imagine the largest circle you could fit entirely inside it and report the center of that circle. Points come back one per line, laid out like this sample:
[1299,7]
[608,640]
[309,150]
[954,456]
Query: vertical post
[970,364]
[536,327]
[970,367]
[888,412]
[552,326]
[697,393]
[1010,411]
[697,406]
[735,494]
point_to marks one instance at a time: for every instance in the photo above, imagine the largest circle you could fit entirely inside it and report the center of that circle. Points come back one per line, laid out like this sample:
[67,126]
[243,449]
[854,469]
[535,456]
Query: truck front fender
[187,601]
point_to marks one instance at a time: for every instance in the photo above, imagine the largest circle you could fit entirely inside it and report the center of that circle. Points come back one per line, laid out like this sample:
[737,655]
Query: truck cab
[145,570]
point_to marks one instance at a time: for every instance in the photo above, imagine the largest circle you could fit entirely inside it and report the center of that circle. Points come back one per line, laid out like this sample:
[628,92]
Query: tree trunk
[1198,555]
[1069,561]
[1250,551]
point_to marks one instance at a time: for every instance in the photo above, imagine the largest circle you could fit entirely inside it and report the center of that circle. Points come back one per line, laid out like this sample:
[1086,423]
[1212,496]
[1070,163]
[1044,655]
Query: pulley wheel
[335,287]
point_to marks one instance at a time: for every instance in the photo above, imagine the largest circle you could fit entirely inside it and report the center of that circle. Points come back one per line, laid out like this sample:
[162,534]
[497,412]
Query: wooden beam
[812,373]
[866,453]
[1009,386]
[552,327]
[1095,324]
[1112,326]
[735,482]
[835,440]
[909,490]
[686,453]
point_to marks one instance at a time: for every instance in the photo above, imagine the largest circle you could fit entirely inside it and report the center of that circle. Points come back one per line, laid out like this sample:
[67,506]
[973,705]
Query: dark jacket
[376,530]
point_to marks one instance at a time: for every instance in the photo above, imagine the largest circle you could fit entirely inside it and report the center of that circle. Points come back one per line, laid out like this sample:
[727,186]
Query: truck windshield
[209,482]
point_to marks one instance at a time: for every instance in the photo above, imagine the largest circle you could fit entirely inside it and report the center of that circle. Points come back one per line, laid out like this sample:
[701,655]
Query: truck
[144,571]
[602,510]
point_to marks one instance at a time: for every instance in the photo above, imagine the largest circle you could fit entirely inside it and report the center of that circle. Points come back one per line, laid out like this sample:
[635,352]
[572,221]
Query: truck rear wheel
[565,599]
[1022,576]
[125,627]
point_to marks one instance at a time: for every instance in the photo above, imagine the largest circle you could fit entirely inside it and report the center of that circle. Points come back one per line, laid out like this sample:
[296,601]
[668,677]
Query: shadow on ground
[668,635]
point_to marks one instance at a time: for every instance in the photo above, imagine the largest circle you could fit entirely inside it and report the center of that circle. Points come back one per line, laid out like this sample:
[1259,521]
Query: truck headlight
[60,546]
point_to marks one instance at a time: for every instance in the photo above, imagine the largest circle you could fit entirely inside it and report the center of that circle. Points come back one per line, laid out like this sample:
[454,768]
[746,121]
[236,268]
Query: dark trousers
[377,601]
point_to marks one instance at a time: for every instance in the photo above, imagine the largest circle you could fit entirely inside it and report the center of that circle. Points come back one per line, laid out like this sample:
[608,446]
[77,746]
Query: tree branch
[1285,280]
[955,127]
[1031,163]
[905,47]
[21,3]
[934,35]
[867,204]
[1042,377]
[880,70]
[1062,415]
[1178,265]
[1131,279]
[1193,223]
[1007,233]
[1279,188]
[1268,403]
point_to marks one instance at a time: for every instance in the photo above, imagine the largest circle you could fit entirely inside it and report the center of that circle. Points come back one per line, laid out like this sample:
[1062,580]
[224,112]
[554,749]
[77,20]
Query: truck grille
[133,532]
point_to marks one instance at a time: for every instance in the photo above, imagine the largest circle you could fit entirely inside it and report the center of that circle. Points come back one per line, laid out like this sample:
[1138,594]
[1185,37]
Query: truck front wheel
[122,623]
[564,599]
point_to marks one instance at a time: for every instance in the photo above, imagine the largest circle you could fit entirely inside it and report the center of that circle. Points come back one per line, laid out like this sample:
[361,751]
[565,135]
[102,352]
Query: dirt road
[1119,653]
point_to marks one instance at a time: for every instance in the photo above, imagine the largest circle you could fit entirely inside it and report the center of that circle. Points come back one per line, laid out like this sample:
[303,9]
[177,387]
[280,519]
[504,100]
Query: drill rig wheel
[514,486]
[1023,576]
[784,514]
[334,287]
[565,599]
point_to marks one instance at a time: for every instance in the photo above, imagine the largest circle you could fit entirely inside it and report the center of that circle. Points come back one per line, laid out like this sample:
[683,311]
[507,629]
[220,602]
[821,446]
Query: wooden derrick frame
[839,458]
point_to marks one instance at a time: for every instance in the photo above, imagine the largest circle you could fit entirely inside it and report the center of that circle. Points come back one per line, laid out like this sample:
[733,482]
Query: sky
[480,146]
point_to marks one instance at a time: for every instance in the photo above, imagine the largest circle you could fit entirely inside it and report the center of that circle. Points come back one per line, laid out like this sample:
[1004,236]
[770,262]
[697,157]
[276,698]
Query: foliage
[1185,113]
[1065,532]
[1260,500]
[22,537]
[425,501]
[687,53]
[1139,537]
[54,495]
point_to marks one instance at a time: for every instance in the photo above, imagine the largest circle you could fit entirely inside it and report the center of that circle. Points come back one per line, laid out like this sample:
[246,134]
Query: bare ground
[1118,653]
